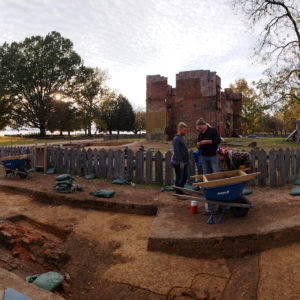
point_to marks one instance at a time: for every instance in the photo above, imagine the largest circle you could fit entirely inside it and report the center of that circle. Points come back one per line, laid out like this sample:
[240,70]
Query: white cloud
[134,38]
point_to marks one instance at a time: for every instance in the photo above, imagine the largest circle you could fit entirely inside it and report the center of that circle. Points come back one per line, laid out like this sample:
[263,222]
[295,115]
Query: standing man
[180,159]
[208,141]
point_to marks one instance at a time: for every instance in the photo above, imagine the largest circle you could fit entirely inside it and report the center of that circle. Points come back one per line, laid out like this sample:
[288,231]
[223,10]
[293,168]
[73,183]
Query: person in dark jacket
[180,159]
[208,141]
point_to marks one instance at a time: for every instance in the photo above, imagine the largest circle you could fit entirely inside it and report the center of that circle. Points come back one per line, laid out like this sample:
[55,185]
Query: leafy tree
[90,87]
[289,114]
[65,117]
[252,109]
[124,114]
[271,124]
[279,45]
[5,109]
[140,121]
[32,71]
[107,113]
[117,113]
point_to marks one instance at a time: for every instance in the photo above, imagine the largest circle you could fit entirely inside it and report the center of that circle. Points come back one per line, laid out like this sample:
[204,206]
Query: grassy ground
[13,141]
[266,143]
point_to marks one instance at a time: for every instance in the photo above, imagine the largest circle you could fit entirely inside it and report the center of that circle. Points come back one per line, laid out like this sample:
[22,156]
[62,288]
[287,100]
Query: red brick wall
[197,94]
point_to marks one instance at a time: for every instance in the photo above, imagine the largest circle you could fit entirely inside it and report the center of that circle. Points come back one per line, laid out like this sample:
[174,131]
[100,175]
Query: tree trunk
[60,132]
[42,131]
[90,130]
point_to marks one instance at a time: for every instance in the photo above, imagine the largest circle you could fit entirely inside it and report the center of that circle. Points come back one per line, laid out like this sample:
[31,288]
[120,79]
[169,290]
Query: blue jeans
[210,164]
[181,176]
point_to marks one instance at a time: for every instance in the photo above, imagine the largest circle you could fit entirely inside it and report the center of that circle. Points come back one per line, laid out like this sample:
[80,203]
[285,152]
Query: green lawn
[13,141]
[266,143]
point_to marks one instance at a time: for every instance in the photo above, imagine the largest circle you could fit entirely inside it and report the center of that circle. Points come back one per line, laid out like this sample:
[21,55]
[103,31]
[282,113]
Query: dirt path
[106,257]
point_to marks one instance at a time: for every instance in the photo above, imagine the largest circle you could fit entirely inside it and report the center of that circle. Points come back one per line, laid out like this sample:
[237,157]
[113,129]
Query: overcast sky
[135,38]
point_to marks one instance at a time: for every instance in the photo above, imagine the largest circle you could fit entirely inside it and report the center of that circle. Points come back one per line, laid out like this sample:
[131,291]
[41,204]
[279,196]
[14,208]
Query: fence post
[281,167]
[58,161]
[168,169]
[297,162]
[78,164]
[110,164]
[293,165]
[129,165]
[158,167]
[287,162]
[72,161]
[262,167]
[102,163]
[149,166]
[119,164]
[139,166]
[252,166]
[272,167]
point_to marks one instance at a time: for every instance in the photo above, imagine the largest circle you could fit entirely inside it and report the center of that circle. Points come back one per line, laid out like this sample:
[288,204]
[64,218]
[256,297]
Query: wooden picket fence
[278,167]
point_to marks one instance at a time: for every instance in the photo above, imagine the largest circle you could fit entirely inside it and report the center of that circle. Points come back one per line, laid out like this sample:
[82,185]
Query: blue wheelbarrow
[15,165]
[223,189]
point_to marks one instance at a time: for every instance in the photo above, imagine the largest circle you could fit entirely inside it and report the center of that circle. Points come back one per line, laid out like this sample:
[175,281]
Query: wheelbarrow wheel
[23,174]
[240,211]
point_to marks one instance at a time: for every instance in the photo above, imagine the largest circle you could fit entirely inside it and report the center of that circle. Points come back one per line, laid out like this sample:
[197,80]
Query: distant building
[197,94]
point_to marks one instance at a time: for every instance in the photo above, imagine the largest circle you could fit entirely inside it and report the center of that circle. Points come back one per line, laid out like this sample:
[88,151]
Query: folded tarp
[191,187]
[64,177]
[297,182]
[168,188]
[50,171]
[90,176]
[103,193]
[120,181]
[295,191]
[246,192]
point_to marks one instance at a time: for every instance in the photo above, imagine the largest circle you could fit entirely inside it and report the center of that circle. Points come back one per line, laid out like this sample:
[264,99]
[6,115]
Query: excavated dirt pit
[103,255]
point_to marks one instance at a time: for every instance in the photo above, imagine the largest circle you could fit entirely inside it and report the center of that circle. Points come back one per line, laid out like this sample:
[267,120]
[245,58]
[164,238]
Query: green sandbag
[168,188]
[120,181]
[50,171]
[65,186]
[191,187]
[90,176]
[297,182]
[295,191]
[103,193]
[64,177]
[77,187]
[246,192]
[48,281]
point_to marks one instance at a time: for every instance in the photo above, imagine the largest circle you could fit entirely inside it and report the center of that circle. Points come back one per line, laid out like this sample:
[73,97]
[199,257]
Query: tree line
[44,84]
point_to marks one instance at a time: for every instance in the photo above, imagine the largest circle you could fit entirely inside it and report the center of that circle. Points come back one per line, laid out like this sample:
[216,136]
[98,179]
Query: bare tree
[279,44]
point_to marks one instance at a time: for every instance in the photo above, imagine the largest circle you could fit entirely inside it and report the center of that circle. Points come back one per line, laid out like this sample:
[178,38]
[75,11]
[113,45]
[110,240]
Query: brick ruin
[197,94]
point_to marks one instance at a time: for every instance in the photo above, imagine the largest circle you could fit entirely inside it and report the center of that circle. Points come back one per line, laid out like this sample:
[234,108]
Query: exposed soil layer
[107,251]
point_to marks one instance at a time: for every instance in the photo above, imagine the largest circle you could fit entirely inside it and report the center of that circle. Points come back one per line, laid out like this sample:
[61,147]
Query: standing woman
[180,159]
